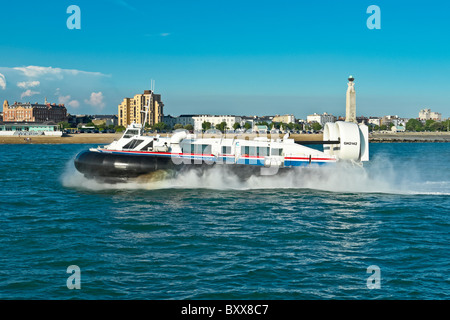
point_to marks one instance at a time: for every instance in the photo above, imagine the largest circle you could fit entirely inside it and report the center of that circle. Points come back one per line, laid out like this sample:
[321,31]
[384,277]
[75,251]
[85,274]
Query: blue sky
[229,57]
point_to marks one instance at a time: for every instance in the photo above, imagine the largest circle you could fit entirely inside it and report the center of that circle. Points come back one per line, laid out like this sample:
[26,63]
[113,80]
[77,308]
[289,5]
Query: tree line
[429,125]
[416,126]
[65,125]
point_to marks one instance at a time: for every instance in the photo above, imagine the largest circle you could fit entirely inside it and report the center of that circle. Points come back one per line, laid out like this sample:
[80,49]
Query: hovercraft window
[130,133]
[202,148]
[148,146]
[226,149]
[276,151]
[248,151]
[197,148]
[254,151]
[186,148]
[132,144]
[263,151]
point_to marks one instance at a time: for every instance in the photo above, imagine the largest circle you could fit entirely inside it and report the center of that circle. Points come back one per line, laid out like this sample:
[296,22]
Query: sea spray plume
[339,178]
[381,175]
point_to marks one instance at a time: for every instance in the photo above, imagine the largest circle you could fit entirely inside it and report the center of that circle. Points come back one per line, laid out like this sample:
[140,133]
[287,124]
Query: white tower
[350,105]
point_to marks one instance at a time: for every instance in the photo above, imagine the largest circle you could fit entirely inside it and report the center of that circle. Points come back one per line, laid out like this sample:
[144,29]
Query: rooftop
[16,123]
[35,105]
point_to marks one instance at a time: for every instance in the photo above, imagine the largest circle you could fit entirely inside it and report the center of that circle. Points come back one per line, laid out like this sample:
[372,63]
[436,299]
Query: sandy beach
[88,138]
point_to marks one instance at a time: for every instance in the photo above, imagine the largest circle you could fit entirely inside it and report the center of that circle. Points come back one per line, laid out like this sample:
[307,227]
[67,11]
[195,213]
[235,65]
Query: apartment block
[132,109]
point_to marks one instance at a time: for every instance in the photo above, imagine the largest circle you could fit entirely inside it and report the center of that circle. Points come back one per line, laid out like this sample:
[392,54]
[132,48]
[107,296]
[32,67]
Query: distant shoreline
[107,138]
[81,138]
[389,137]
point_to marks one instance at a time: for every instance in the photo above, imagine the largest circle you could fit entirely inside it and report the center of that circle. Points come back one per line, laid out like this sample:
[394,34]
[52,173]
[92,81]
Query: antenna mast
[147,107]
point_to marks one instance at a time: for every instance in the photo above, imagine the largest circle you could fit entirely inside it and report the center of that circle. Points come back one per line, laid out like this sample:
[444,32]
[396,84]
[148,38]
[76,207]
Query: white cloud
[73,104]
[37,71]
[96,100]
[63,99]
[28,93]
[164,34]
[2,81]
[66,86]
[66,100]
[28,84]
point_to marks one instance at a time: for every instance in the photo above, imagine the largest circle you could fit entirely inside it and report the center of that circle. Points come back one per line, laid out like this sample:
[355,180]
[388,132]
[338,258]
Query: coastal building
[183,119]
[48,128]
[78,119]
[250,120]
[170,120]
[395,120]
[230,120]
[263,119]
[288,118]
[34,112]
[363,120]
[302,122]
[398,129]
[132,109]
[253,120]
[375,121]
[427,114]
[105,119]
[260,128]
[268,119]
[320,118]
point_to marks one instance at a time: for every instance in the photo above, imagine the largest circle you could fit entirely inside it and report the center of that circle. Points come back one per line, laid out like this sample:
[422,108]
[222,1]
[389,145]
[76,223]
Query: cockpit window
[132,144]
[148,146]
[130,133]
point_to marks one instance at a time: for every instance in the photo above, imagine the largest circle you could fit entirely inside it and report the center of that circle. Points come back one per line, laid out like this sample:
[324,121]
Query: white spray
[378,176]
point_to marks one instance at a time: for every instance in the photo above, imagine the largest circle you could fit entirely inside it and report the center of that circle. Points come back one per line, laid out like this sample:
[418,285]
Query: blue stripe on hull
[289,163]
[251,161]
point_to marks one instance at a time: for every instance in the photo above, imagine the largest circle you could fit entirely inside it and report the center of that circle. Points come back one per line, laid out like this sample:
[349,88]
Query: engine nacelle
[177,139]
[354,140]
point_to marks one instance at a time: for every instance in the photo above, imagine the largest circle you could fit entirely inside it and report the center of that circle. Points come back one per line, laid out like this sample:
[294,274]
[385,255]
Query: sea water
[317,233]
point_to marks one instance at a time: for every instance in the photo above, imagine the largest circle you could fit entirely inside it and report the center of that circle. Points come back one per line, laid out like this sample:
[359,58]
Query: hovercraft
[138,154]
